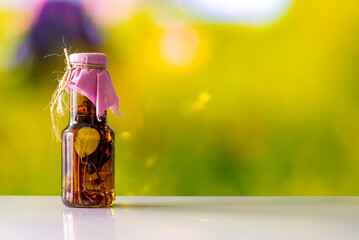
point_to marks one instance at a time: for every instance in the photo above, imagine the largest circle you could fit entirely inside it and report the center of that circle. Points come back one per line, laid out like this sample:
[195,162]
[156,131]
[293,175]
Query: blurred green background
[230,104]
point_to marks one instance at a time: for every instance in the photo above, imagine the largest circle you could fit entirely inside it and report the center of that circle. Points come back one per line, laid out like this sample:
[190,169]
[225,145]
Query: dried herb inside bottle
[87,156]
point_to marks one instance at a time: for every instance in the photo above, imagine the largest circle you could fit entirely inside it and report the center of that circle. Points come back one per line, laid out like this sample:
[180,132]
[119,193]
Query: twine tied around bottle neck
[58,96]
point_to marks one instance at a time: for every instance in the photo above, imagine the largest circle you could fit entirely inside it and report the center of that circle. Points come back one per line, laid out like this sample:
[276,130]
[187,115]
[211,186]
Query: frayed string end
[57,109]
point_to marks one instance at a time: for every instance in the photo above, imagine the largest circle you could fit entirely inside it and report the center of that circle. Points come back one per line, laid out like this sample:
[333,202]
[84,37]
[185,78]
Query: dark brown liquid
[87,175]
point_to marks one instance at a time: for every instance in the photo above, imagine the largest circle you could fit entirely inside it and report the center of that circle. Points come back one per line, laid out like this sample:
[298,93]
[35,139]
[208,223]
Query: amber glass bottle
[87,157]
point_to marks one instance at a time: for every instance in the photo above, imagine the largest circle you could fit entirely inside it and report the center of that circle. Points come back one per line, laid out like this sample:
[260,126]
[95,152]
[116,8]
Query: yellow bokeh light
[179,45]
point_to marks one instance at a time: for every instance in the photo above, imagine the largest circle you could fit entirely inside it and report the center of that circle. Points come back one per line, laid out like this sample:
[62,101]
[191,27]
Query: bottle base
[89,200]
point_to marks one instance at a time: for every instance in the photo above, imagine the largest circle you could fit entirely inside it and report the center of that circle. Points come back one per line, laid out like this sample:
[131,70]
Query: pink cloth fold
[94,83]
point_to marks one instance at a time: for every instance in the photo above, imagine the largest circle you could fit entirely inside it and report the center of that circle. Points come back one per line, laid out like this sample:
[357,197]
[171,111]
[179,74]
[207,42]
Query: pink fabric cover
[95,84]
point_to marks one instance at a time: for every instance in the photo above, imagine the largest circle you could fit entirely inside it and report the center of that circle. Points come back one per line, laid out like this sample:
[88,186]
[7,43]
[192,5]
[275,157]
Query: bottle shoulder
[74,127]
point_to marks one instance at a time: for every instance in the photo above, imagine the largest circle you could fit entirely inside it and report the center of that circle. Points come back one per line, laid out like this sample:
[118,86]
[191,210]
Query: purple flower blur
[58,21]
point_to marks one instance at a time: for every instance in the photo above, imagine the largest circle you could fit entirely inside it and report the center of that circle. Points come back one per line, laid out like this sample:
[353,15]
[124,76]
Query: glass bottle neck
[82,110]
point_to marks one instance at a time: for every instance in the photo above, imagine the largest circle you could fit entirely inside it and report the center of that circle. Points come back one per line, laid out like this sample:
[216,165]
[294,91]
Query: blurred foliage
[209,109]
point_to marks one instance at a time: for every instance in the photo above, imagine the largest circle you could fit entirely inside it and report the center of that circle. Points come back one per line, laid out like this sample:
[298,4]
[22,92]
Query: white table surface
[183,218]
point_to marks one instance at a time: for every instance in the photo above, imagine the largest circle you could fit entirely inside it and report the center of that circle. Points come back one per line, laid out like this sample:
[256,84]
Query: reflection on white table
[183,218]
